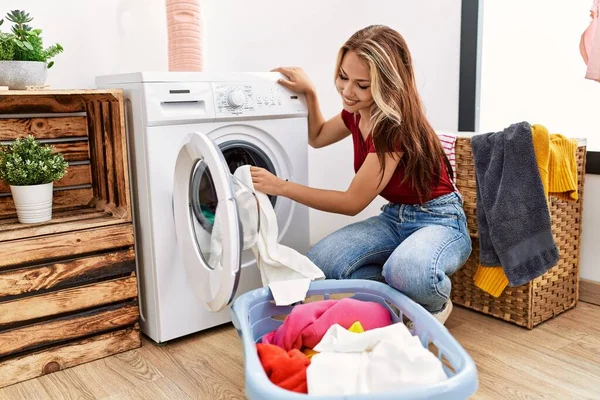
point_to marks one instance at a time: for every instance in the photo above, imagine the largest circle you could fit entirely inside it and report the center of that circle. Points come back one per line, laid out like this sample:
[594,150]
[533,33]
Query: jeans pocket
[440,211]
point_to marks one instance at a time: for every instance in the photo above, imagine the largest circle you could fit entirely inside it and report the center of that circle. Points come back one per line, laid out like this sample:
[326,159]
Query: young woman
[420,237]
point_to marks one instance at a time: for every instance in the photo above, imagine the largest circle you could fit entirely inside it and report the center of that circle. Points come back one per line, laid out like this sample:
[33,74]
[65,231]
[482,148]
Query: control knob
[236,98]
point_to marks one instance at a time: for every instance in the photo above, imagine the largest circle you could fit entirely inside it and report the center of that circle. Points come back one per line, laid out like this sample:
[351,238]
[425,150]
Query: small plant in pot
[30,169]
[23,58]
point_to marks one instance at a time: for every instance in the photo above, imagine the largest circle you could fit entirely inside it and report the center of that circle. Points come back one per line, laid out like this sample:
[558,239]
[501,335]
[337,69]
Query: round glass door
[238,153]
[204,203]
[207,221]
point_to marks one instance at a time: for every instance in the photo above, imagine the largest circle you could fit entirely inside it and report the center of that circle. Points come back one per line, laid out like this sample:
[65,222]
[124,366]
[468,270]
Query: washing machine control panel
[255,98]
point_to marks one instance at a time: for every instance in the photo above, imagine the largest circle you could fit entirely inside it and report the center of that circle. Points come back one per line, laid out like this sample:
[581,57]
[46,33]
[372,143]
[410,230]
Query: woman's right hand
[297,80]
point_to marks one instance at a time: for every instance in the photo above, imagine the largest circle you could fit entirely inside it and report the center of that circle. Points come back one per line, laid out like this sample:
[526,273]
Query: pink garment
[589,45]
[306,325]
[449,146]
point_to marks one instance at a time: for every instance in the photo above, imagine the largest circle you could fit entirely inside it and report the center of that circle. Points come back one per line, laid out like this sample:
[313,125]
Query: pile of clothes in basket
[344,347]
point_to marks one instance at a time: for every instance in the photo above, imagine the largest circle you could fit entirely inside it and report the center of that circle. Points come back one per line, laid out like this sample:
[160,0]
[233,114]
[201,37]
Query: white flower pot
[20,74]
[33,203]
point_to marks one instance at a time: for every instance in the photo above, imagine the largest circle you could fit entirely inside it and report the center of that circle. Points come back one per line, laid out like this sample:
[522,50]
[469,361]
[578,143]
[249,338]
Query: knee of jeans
[321,257]
[314,254]
[397,274]
[410,275]
[415,281]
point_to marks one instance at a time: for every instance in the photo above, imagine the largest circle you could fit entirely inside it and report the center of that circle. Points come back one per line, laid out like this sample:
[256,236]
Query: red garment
[285,369]
[307,323]
[395,191]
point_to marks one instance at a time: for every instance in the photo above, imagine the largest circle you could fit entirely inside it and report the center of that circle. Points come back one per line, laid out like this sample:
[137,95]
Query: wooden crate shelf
[68,288]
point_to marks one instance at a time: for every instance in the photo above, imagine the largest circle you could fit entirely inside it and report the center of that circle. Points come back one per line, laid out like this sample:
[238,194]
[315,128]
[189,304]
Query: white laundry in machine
[187,134]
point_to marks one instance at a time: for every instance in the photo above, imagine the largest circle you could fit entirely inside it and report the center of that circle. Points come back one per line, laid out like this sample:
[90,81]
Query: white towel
[379,360]
[287,272]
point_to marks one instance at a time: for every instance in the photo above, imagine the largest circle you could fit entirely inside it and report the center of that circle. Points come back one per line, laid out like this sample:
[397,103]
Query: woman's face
[354,83]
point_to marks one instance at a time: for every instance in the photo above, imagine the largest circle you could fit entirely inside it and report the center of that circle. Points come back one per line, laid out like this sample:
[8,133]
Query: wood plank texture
[76,175]
[67,300]
[56,275]
[65,245]
[121,165]
[162,389]
[32,102]
[68,289]
[67,328]
[108,152]
[33,365]
[73,151]
[62,199]
[62,221]
[108,94]
[113,376]
[205,366]
[43,127]
[46,103]
[8,223]
[95,126]
[108,139]
[513,363]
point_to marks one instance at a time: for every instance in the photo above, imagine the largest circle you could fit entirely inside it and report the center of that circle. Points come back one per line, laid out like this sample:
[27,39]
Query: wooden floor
[559,359]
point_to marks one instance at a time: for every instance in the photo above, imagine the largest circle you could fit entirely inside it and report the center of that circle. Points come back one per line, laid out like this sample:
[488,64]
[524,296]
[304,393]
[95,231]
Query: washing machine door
[207,221]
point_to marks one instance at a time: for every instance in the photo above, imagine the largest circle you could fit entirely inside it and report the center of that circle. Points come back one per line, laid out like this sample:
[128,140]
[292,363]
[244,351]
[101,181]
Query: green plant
[26,162]
[24,43]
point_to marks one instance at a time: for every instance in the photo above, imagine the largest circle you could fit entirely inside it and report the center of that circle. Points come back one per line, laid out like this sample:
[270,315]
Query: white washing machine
[187,133]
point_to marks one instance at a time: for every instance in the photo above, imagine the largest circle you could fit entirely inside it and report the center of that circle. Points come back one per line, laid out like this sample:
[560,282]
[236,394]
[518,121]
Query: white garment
[287,272]
[210,243]
[379,360]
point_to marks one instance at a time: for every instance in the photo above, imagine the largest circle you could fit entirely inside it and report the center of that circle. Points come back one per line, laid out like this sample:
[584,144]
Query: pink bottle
[184,30]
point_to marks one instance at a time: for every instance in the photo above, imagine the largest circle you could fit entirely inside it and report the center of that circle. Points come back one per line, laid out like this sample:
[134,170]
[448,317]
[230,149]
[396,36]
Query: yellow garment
[309,352]
[355,327]
[562,167]
[491,279]
[556,157]
[541,146]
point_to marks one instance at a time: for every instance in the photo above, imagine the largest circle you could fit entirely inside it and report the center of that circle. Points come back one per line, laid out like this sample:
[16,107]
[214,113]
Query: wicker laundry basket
[543,298]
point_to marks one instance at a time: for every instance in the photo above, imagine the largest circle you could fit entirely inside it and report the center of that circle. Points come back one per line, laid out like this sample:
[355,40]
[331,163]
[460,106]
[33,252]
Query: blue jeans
[414,248]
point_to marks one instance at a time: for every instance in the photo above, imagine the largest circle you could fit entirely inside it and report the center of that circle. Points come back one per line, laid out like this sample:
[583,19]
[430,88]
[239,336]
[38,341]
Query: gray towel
[512,212]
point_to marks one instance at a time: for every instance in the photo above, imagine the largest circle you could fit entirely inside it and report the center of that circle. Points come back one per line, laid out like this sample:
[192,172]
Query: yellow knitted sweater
[556,158]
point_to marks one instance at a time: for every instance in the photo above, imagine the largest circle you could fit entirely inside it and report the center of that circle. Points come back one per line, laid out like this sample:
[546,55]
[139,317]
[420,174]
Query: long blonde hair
[397,115]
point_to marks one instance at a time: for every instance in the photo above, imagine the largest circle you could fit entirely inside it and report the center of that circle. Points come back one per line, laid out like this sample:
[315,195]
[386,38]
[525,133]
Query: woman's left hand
[266,182]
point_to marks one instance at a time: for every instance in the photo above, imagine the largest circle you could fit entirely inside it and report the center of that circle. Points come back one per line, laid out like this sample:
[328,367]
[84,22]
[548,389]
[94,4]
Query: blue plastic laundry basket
[252,316]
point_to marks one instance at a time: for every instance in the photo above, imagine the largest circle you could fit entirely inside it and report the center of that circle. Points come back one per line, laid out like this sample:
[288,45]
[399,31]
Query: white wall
[117,36]
[532,70]
[264,34]
[258,36]
[95,41]
[541,81]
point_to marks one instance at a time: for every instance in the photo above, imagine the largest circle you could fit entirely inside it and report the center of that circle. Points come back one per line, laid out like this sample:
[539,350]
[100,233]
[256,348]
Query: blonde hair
[397,115]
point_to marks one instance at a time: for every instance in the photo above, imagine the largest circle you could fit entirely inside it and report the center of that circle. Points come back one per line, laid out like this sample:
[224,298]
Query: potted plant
[31,169]
[23,58]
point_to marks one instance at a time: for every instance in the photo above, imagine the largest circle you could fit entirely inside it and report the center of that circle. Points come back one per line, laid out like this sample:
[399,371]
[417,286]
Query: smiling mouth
[350,102]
